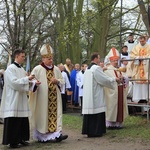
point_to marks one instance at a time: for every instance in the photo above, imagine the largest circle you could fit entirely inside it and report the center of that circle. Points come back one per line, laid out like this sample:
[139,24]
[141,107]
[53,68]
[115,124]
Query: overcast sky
[129,3]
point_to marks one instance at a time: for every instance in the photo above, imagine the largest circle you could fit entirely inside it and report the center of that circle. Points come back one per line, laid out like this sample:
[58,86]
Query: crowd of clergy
[131,66]
[137,69]
[100,89]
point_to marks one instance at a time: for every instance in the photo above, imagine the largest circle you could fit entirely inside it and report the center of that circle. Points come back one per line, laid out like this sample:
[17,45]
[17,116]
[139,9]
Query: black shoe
[24,143]
[43,141]
[93,136]
[61,137]
[48,141]
[118,128]
[111,128]
[14,146]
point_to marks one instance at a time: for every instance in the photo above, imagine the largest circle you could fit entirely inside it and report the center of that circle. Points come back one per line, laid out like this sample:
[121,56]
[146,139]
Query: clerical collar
[17,64]
[47,67]
[124,53]
[50,67]
[92,63]
[82,71]
[130,41]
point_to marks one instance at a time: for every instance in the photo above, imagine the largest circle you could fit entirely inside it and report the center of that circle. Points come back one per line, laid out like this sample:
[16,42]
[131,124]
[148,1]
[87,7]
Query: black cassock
[15,130]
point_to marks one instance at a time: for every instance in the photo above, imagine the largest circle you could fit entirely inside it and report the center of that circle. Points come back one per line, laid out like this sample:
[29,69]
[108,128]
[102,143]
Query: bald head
[68,61]
[77,67]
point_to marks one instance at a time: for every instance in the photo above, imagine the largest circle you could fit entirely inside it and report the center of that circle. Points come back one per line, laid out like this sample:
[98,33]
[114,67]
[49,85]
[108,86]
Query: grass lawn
[136,134]
[134,127]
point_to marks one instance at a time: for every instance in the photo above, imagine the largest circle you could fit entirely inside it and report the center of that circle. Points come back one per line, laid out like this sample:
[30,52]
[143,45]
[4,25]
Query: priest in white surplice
[46,102]
[79,79]
[116,101]
[94,106]
[130,43]
[14,105]
[140,69]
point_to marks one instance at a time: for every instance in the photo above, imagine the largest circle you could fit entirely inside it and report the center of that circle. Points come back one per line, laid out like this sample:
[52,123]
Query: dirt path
[77,141]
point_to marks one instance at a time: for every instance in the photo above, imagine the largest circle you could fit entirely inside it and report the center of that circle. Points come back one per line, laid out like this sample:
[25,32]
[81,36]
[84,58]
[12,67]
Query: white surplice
[93,90]
[14,99]
[79,79]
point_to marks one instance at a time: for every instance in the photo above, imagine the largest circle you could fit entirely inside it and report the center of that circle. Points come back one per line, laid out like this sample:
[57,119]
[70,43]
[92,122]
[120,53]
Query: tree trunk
[144,14]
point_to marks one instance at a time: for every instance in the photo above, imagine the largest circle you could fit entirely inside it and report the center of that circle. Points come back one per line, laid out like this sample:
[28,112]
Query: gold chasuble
[140,68]
[52,101]
[142,52]
[46,102]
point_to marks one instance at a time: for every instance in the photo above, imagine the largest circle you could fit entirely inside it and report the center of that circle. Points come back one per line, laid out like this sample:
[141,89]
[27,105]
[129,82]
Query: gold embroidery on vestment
[143,52]
[52,103]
